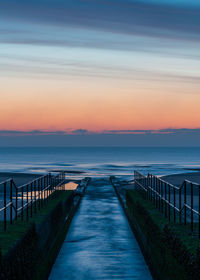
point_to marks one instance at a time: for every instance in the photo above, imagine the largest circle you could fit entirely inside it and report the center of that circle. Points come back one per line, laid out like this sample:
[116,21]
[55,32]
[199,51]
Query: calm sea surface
[100,161]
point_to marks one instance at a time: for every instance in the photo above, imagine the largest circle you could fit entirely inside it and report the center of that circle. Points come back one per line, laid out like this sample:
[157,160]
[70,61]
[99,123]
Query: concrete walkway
[100,243]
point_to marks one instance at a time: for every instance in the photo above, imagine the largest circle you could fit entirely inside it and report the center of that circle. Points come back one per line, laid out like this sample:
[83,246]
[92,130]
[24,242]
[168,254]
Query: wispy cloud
[104,132]
[147,29]
[31,132]
[117,16]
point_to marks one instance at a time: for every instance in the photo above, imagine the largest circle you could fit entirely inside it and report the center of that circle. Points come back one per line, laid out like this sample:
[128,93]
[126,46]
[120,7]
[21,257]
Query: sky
[99,67]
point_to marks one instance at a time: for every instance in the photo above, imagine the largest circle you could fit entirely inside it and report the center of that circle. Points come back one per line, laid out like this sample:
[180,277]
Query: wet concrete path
[100,243]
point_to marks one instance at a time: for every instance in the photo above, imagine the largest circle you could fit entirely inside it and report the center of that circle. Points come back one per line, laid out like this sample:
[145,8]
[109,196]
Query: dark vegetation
[28,249]
[170,249]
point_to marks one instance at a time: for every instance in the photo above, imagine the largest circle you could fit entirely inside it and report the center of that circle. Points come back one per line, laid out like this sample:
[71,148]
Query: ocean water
[79,162]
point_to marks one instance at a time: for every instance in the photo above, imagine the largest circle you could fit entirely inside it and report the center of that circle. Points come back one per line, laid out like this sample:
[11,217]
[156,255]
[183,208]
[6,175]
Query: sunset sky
[95,66]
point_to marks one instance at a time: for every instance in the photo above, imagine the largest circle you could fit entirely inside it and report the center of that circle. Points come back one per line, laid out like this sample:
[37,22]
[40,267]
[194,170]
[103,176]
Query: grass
[182,231]
[169,247]
[15,231]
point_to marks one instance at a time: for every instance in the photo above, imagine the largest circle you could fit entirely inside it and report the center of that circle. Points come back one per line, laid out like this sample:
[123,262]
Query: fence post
[31,199]
[180,207]
[16,203]
[5,206]
[185,201]
[174,205]
[22,204]
[156,196]
[11,205]
[161,196]
[27,213]
[169,209]
[44,186]
[156,186]
[165,200]
[150,195]
[199,211]
[192,224]
[148,187]
[39,194]
[35,191]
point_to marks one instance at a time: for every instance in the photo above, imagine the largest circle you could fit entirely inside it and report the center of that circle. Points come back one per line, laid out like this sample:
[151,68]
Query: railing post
[47,187]
[159,188]
[156,191]
[199,211]
[27,212]
[174,205]
[165,199]
[5,206]
[169,208]
[22,205]
[16,203]
[11,205]
[192,224]
[35,191]
[44,191]
[39,194]
[162,196]
[41,188]
[31,199]
[185,201]
[153,187]
[150,191]
[180,206]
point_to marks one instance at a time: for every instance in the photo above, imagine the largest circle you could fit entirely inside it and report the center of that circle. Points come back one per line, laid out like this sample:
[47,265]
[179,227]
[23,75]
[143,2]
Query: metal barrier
[21,202]
[176,203]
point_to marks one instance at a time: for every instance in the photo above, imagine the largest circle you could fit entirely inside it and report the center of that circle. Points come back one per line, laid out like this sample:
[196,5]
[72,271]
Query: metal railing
[176,203]
[21,202]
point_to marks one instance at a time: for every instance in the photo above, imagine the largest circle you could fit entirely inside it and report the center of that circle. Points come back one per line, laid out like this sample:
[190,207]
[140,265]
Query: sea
[79,162]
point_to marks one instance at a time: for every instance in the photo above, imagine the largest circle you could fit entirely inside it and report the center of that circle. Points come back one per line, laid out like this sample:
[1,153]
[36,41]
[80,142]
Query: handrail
[30,196]
[171,199]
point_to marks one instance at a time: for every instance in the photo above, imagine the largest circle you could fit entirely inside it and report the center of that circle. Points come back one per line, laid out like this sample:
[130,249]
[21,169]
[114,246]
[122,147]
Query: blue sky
[188,3]
[99,65]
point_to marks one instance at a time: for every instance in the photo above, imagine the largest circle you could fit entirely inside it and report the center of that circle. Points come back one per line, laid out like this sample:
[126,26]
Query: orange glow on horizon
[96,106]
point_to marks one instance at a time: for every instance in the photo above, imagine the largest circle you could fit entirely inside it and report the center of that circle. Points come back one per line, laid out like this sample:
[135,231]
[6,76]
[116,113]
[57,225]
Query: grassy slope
[182,231]
[18,228]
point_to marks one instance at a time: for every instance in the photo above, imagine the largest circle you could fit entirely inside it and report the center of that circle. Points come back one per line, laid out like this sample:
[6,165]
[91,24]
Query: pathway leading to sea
[100,243]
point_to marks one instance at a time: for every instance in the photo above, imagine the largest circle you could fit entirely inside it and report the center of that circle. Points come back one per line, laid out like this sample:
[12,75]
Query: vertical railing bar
[41,192]
[27,206]
[156,182]
[159,194]
[11,200]
[199,211]
[44,189]
[165,199]
[16,203]
[22,204]
[180,206]
[35,192]
[174,205]
[169,207]
[5,185]
[162,196]
[31,199]
[39,196]
[185,201]
[192,216]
